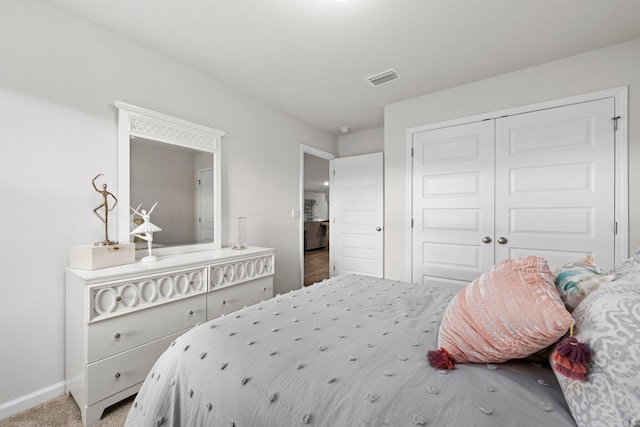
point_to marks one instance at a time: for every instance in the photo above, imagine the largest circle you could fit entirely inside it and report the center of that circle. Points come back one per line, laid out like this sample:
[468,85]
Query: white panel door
[555,184]
[539,183]
[452,203]
[357,215]
[205,205]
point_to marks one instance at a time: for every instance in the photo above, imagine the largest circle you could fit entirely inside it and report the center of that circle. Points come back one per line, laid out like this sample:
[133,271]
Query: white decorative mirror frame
[137,122]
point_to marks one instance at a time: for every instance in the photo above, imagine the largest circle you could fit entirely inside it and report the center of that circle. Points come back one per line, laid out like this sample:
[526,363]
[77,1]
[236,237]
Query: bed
[351,351]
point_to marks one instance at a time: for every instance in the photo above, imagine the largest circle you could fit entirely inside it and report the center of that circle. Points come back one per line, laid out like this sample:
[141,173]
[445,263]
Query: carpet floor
[63,412]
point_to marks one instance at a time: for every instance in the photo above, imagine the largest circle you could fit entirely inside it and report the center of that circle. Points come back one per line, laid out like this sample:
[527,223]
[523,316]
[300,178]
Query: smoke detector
[344,129]
[383,77]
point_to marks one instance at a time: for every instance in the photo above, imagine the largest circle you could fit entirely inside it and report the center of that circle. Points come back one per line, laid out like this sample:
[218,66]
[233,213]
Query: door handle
[486,239]
[378,229]
[502,240]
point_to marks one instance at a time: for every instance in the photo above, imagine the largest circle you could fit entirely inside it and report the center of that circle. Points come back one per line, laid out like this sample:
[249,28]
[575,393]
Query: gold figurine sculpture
[105,204]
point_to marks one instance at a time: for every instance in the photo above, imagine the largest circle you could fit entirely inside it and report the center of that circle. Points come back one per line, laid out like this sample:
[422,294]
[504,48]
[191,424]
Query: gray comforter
[349,351]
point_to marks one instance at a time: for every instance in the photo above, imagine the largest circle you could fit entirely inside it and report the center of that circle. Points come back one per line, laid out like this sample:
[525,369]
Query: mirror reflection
[180,179]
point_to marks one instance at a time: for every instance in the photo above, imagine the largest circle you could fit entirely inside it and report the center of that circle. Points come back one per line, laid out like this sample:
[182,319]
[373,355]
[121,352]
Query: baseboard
[32,399]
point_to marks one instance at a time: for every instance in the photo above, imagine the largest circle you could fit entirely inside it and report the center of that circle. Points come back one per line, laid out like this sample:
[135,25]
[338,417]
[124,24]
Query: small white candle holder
[242,234]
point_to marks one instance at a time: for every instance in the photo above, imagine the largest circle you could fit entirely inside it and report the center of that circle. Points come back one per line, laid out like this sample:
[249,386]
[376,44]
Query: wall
[606,68]
[363,142]
[59,75]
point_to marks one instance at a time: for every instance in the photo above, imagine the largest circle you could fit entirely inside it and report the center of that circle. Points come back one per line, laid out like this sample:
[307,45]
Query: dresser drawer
[120,333]
[114,374]
[230,273]
[127,296]
[232,298]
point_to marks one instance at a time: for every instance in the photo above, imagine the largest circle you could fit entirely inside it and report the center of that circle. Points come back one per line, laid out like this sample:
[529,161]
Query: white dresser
[120,319]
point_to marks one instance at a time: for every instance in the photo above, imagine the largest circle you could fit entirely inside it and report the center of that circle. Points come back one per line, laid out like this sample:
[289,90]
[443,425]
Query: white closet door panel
[451,255]
[576,222]
[452,185]
[451,219]
[452,203]
[573,177]
[552,133]
[555,183]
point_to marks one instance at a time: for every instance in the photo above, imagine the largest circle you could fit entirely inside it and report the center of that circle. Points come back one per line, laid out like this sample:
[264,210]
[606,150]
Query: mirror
[180,180]
[177,164]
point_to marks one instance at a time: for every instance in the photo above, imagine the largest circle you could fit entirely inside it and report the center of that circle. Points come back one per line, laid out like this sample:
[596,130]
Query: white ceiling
[310,58]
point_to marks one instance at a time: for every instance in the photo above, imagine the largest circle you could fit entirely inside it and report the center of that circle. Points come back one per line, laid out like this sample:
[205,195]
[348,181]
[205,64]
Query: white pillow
[608,322]
[578,279]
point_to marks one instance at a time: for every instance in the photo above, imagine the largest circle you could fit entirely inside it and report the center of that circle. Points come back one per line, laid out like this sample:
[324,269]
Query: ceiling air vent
[383,77]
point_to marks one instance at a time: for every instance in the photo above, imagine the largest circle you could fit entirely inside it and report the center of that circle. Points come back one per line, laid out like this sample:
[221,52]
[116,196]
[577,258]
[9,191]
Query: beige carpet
[63,412]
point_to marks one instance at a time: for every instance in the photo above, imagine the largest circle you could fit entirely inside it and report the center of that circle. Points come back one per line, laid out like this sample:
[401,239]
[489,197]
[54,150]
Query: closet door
[555,184]
[538,183]
[453,208]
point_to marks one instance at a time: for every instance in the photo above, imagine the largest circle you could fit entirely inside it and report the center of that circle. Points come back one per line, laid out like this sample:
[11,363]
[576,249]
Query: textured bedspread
[349,351]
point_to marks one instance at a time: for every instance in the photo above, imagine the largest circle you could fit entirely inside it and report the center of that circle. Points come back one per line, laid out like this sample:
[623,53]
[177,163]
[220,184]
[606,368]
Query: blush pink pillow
[510,312]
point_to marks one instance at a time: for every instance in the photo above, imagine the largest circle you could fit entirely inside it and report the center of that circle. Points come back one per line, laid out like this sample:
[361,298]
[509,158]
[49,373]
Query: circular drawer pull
[224,302]
[118,298]
[190,312]
[117,336]
[191,283]
[117,375]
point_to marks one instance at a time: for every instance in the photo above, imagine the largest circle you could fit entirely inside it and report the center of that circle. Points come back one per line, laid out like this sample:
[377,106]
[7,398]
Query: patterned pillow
[608,322]
[578,279]
[509,312]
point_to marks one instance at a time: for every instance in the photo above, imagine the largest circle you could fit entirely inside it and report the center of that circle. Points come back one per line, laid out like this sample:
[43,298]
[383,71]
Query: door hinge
[411,222]
[615,227]
[199,183]
[334,268]
[334,172]
[615,122]
[411,151]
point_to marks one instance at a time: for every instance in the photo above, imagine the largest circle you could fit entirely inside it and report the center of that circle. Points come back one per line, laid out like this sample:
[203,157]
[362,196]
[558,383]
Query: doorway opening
[314,215]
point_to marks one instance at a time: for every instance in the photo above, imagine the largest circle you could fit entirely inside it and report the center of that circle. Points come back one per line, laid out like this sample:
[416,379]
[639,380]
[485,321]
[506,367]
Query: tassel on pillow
[441,359]
[572,358]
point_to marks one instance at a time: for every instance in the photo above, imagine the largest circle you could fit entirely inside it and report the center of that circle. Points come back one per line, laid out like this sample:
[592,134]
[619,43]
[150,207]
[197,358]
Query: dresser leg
[93,414]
